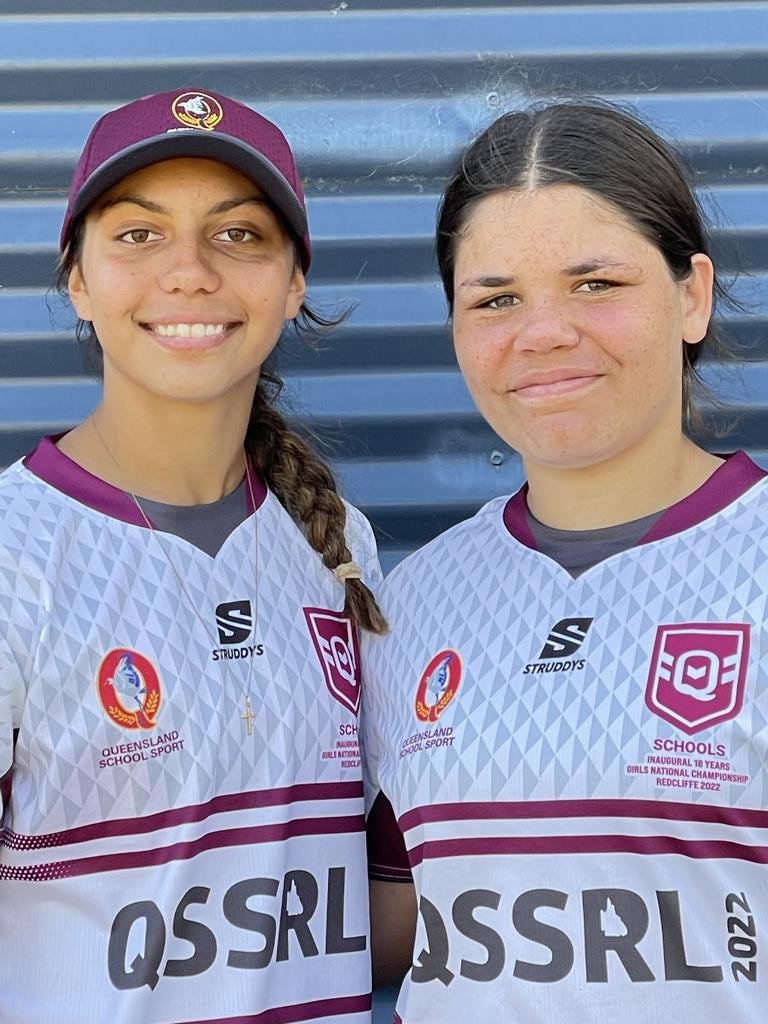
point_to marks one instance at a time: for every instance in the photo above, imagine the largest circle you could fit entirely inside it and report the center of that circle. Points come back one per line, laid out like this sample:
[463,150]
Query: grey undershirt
[579,550]
[208,526]
[205,526]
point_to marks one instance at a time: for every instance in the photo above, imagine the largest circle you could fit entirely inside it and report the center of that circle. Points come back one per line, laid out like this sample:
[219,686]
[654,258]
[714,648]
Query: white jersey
[580,767]
[165,857]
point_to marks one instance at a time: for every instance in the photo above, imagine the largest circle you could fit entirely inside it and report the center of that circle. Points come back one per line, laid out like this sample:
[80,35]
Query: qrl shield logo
[129,689]
[697,674]
[335,641]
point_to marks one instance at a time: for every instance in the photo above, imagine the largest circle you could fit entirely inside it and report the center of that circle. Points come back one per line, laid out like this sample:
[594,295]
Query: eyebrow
[147,204]
[598,263]
[589,266]
[487,282]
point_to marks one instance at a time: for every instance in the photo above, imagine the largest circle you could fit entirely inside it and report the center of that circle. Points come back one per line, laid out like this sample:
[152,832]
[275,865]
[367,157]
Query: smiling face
[568,327]
[187,276]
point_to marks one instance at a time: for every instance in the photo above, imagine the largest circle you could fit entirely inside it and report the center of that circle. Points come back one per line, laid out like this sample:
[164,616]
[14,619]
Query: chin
[566,455]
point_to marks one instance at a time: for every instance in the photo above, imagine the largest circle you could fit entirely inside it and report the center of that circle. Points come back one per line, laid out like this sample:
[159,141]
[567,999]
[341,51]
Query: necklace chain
[247,715]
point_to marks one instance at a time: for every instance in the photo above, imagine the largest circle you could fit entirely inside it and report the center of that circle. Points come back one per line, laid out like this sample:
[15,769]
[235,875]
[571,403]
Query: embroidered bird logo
[127,682]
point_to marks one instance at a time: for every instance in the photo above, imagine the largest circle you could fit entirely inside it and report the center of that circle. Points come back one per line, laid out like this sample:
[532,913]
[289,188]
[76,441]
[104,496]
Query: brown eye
[235,235]
[138,236]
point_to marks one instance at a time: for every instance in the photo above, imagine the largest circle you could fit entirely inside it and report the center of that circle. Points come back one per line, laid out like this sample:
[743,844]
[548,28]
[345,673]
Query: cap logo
[197,110]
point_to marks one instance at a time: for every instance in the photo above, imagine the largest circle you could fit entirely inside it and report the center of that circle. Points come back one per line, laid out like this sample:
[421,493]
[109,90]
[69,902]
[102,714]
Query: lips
[554,383]
[184,334]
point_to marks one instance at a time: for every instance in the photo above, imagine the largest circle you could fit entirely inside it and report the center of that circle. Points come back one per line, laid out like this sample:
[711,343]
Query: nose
[188,268]
[545,325]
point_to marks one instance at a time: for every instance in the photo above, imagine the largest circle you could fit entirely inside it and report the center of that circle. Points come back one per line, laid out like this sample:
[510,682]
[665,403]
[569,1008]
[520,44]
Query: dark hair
[614,155]
[300,480]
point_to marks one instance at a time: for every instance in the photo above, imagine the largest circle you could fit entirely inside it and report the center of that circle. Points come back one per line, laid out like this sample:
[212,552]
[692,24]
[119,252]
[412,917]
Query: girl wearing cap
[570,728]
[181,588]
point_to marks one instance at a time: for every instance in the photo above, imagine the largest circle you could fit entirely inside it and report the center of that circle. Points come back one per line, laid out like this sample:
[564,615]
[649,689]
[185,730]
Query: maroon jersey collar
[54,467]
[729,481]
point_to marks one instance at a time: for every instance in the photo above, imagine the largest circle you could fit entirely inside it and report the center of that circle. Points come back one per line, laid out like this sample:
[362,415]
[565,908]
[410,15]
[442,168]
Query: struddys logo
[335,641]
[197,110]
[129,689]
[437,686]
[697,674]
[563,642]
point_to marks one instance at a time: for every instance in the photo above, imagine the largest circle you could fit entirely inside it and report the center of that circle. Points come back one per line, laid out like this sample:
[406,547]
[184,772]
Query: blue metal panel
[377,98]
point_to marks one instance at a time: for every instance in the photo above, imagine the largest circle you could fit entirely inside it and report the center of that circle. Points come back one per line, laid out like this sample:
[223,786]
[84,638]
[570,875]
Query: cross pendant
[248,716]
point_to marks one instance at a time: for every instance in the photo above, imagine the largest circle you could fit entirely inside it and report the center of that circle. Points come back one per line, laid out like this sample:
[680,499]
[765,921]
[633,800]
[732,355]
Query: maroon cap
[189,123]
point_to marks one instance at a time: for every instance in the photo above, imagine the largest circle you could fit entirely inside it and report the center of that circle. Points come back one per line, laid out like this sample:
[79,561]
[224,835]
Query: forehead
[551,215]
[182,176]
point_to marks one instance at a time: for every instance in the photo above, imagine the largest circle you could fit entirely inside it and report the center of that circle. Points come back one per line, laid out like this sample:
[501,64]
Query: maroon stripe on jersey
[319,1009]
[397,1019]
[479,846]
[524,810]
[183,851]
[186,815]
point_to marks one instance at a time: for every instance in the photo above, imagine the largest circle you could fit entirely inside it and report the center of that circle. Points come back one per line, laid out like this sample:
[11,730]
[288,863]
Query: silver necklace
[247,714]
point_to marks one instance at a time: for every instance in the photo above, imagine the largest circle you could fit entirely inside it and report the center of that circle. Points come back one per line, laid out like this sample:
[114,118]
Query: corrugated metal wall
[376,97]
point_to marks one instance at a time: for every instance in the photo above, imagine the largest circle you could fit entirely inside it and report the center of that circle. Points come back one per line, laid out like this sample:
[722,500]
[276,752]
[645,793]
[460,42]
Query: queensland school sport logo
[697,674]
[129,689]
[437,686]
[197,110]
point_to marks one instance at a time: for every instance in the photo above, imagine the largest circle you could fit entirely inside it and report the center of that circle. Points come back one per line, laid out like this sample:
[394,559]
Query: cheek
[480,352]
[637,336]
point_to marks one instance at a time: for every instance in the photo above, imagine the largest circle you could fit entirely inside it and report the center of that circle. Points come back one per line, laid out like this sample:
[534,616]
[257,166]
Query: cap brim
[195,143]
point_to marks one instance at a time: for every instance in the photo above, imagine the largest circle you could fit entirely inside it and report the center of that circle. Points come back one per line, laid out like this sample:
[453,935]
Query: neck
[617,490]
[179,455]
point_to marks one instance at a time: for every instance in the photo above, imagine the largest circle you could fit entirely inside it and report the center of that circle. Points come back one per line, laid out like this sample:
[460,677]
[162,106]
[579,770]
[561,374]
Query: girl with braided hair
[181,587]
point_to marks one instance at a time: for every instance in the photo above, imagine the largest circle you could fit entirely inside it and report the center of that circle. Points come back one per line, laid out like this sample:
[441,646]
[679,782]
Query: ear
[78,293]
[297,289]
[696,298]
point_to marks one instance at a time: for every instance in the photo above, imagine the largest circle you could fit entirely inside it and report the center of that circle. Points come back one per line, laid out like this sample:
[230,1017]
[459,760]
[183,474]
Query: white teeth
[188,330]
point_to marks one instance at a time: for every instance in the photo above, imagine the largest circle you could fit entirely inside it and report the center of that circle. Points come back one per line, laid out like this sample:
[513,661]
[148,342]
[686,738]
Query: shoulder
[472,540]
[12,481]
[26,504]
